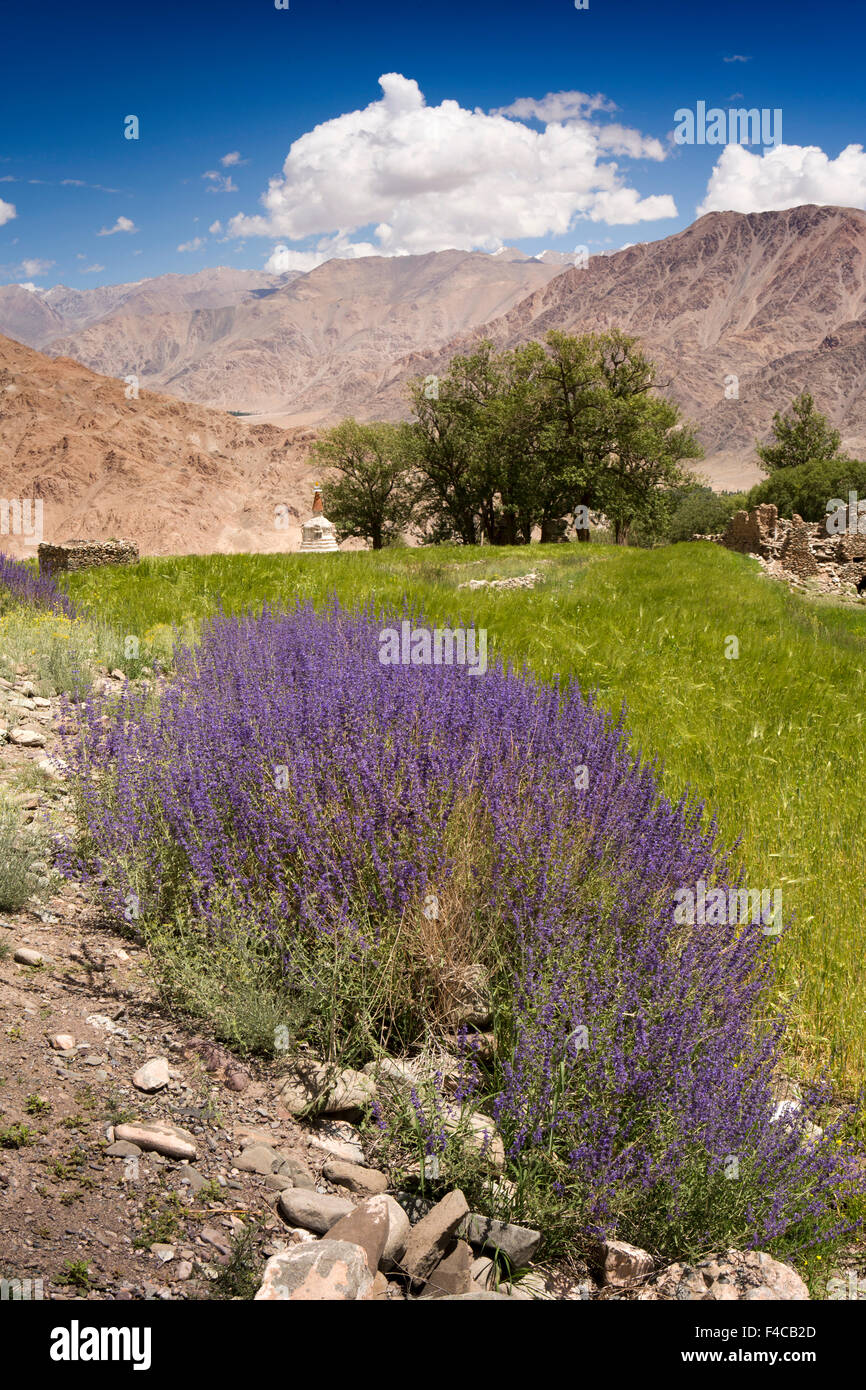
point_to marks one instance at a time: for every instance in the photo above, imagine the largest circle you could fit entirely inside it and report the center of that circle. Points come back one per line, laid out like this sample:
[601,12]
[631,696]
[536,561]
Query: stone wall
[83,555]
[797,550]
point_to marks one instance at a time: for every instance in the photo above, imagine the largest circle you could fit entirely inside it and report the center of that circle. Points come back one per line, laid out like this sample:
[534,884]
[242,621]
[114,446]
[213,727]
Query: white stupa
[318,534]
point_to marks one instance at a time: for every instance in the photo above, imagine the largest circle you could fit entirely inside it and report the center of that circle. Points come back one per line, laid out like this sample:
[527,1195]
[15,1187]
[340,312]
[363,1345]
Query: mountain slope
[172,477]
[776,299]
[308,343]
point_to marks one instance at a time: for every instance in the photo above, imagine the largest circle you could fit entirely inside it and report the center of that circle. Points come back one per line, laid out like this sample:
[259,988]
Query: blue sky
[223,91]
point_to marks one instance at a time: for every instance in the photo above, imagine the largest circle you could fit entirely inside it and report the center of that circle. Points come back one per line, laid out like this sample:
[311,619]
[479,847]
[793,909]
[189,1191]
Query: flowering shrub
[19,581]
[290,792]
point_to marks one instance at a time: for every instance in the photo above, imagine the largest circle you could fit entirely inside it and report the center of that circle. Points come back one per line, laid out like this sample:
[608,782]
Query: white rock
[152,1076]
[63,1042]
[160,1136]
[27,738]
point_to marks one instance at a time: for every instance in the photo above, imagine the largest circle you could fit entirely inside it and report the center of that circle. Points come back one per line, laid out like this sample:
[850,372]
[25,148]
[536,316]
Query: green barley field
[772,738]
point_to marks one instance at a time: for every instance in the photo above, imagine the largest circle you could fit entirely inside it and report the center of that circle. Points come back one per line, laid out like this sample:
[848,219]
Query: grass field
[772,738]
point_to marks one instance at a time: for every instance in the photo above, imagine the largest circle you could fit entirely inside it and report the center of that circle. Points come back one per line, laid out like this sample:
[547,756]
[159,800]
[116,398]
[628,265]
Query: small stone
[164,1253]
[25,956]
[63,1042]
[365,1181]
[519,1243]
[314,1211]
[218,1239]
[378,1290]
[121,1148]
[153,1076]
[160,1137]
[328,1270]
[257,1158]
[431,1237]
[27,738]
[623,1263]
[183,1270]
[292,1167]
[194,1180]
[278,1182]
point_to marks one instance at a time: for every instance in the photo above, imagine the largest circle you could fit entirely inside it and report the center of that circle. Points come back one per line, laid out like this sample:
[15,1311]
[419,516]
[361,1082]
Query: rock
[452,1275]
[294,1168]
[278,1182]
[237,1080]
[25,956]
[121,1148]
[747,1275]
[164,1253]
[329,1270]
[27,738]
[519,1243]
[314,1211]
[160,1137]
[63,1042]
[313,1083]
[483,1271]
[378,1289]
[183,1269]
[623,1263]
[367,1226]
[433,1235]
[365,1181]
[398,1234]
[481,1133]
[258,1158]
[218,1239]
[339,1148]
[194,1179]
[153,1076]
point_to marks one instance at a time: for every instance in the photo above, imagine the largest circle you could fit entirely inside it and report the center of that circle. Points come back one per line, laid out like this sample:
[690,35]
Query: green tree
[802,435]
[373,497]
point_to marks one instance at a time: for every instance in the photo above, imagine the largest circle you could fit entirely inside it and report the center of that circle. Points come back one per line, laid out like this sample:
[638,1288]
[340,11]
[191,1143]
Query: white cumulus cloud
[785,177]
[424,178]
[35,266]
[193,245]
[123,224]
[7,212]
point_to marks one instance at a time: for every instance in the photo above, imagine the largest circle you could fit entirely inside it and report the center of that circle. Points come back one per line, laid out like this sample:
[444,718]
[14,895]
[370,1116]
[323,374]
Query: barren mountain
[776,300]
[172,477]
[740,313]
[310,344]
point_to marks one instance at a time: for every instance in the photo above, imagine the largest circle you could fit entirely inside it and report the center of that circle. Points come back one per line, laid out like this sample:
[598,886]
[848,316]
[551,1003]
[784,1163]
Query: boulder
[747,1275]
[327,1270]
[433,1235]
[368,1226]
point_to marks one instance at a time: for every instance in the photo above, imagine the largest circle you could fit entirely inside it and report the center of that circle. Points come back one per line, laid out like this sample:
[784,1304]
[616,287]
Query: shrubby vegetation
[292,801]
[808,487]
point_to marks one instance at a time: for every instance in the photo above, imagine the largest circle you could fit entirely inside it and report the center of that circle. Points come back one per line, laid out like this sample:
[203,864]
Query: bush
[808,488]
[379,833]
[20,580]
[23,872]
